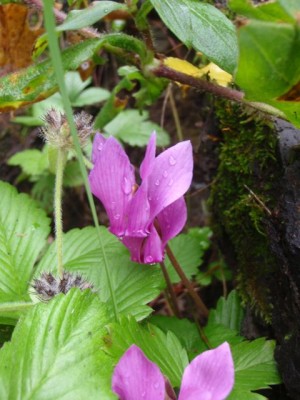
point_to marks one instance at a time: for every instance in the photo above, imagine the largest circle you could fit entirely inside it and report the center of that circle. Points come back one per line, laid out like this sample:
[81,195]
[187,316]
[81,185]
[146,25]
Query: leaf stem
[60,163]
[198,301]
[59,73]
[172,295]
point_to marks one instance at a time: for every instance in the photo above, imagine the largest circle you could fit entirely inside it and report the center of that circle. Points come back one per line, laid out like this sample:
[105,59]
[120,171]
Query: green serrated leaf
[185,330]
[134,285]
[132,127]
[32,162]
[23,231]
[229,312]
[189,254]
[55,354]
[163,349]
[255,368]
[78,19]
[203,27]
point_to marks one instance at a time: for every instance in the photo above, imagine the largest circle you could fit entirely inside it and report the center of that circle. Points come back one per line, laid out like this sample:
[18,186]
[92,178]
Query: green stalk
[60,163]
[59,73]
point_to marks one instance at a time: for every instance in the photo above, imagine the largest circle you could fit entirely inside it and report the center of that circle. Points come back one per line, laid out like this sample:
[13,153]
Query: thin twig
[258,200]
[176,116]
[163,71]
[198,301]
[173,300]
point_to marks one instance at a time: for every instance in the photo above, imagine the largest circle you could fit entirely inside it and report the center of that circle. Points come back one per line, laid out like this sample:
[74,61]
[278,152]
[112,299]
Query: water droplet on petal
[149,198]
[143,394]
[100,146]
[170,182]
[172,160]
[165,174]
[156,385]
[126,185]
[157,182]
[117,216]
[113,205]
[148,259]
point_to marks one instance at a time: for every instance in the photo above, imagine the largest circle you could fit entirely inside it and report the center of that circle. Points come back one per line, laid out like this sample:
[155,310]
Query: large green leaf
[270,11]
[55,353]
[262,73]
[163,349]
[134,285]
[38,81]
[203,27]
[255,368]
[23,232]
[78,19]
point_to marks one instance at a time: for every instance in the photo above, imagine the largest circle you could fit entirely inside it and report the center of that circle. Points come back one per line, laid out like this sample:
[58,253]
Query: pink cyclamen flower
[143,217]
[210,376]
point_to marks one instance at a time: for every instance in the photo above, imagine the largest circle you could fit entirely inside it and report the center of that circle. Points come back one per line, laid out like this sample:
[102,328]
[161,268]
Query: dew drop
[113,205]
[165,174]
[149,198]
[156,385]
[117,216]
[126,186]
[148,259]
[157,182]
[172,160]
[170,182]
[100,146]
[143,394]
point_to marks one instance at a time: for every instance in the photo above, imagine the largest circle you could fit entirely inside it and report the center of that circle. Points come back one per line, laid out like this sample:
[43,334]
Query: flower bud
[56,131]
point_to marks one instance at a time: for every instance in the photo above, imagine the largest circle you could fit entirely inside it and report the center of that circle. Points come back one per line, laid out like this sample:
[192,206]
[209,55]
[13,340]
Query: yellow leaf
[212,70]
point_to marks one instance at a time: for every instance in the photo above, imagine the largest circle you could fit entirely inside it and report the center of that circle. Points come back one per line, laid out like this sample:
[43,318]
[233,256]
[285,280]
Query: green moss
[241,199]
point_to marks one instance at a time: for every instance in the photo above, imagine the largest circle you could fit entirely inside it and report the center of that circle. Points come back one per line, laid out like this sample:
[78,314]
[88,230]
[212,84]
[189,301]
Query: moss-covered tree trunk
[256,209]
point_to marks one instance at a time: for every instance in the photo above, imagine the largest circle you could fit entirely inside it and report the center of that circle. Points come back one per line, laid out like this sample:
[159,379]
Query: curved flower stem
[172,295]
[60,163]
[202,307]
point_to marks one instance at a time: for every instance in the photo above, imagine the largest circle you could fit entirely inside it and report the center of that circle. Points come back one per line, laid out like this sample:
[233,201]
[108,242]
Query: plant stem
[59,74]
[60,163]
[202,307]
[172,295]
[176,116]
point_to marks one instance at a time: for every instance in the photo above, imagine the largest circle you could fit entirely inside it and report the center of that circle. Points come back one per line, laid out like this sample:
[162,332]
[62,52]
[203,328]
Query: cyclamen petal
[210,376]
[111,180]
[171,220]
[170,177]
[136,378]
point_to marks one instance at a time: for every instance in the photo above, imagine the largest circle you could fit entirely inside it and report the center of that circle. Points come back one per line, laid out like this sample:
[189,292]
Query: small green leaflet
[78,19]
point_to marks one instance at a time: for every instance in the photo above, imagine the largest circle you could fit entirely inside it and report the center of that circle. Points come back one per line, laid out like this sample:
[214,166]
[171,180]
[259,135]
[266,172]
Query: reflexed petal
[136,378]
[210,376]
[148,161]
[152,251]
[111,180]
[98,144]
[170,177]
[172,219]
[138,213]
[134,245]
